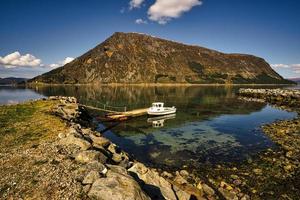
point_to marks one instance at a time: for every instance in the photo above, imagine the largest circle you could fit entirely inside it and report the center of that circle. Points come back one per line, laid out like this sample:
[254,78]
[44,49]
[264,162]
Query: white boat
[158,108]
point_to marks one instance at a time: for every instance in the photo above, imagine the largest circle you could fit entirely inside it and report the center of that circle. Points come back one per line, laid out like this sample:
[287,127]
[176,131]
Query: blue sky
[38,35]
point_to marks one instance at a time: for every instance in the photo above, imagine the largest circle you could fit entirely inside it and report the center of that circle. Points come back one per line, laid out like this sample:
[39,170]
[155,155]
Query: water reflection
[158,122]
[14,95]
[211,123]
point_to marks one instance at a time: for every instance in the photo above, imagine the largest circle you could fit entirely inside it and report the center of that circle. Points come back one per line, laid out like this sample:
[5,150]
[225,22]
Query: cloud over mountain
[163,11]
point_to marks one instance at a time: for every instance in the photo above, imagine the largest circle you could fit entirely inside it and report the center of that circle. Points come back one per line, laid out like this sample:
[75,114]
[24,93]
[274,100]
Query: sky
[37,36]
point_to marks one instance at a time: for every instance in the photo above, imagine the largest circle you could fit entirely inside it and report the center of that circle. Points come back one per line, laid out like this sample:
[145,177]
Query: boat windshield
[158,105]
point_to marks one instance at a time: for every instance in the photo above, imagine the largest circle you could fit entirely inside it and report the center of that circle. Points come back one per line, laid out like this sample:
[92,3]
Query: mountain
[140,58]
[297,80]
[12,80]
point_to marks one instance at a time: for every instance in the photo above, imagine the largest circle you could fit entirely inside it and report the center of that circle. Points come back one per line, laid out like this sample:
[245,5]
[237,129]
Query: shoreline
[152,84]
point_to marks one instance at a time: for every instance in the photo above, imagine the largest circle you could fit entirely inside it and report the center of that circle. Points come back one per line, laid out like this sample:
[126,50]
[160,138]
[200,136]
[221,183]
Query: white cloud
[279,65]
[295,65]
[61,63]
[141,21]
[67,60]
[295,68]
[135,4]
[163,11]
[17,60]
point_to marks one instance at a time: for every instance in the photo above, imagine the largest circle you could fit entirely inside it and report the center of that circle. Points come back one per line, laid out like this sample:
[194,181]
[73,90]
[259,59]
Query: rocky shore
[280,167]
[280,97]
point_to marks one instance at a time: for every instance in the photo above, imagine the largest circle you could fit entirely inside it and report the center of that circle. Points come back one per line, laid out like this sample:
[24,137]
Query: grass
[28,124]
[30,165]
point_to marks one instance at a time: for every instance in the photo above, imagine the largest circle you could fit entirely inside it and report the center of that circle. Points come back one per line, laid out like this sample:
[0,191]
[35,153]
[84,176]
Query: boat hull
[166,111]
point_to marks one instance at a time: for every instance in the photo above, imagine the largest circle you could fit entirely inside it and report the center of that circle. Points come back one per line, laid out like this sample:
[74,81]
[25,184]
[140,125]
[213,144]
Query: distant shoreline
[149,84]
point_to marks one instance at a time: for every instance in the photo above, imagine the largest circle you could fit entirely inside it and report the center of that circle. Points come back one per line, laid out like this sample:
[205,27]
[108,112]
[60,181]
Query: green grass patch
[28,123]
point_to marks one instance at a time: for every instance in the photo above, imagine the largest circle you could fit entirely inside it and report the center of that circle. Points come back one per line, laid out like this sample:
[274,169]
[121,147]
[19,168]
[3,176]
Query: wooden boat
[158,108]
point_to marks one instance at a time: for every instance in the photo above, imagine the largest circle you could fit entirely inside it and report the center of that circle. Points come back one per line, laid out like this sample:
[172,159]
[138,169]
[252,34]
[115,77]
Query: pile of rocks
[287,97]
[67,109]
[107,172]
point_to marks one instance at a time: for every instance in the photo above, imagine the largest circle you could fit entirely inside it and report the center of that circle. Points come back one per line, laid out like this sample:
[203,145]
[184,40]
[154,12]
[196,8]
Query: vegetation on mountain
[140,58]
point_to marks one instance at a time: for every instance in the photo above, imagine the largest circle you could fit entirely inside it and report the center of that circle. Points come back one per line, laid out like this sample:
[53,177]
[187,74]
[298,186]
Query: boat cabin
[158,105]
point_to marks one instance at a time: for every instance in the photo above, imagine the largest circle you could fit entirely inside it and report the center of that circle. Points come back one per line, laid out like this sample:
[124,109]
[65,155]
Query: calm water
[211,125]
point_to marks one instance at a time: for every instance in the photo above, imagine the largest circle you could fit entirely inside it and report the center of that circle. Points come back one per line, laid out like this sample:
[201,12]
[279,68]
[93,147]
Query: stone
[289,154]
[156,186]
[199,186]
[61,135]
[86,131]
[86,188]
[208,190]
[191,190]
[95,165]
[245,197]
[118,169]
[179,179]
[184,173]
[112,148]
[116,186]
[257,171]
[72,140]
[228,195]
[182,195]
[287,168]
[233,176]
[226,185]
[117,158]
[99,141]
[167,174]
[89,156]
[91,177]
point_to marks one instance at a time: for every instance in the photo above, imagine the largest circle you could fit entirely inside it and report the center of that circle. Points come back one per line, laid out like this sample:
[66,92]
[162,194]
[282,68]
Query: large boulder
[156,186]
[117,185]
[72,140]
[99,142]
[90,156]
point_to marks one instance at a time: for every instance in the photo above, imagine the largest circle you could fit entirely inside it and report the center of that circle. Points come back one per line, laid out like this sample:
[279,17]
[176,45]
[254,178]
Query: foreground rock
[117,185]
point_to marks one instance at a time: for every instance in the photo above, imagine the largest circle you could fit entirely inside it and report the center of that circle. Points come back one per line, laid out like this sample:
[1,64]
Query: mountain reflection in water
[211,124]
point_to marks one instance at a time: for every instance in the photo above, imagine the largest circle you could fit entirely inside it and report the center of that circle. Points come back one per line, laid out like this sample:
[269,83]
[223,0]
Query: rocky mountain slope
[140,58]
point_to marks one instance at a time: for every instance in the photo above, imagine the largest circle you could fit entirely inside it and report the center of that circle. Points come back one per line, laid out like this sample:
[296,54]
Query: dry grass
[31,166]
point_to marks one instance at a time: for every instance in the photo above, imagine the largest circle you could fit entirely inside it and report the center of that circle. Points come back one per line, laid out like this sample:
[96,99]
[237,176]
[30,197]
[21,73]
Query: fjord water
[212,124]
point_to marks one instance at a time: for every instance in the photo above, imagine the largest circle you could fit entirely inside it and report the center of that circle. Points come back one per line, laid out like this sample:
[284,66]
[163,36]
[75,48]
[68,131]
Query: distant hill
[140,58]
[11,80]
[297,80]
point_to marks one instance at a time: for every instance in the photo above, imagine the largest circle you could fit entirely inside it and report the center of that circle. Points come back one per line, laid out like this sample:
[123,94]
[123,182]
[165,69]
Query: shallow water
[211,124]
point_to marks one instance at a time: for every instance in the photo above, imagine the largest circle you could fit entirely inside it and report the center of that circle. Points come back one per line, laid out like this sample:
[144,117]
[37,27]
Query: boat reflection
[158,122]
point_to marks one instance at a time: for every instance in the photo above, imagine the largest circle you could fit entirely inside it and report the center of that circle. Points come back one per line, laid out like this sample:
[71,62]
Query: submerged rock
[228,195]
[207,190]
